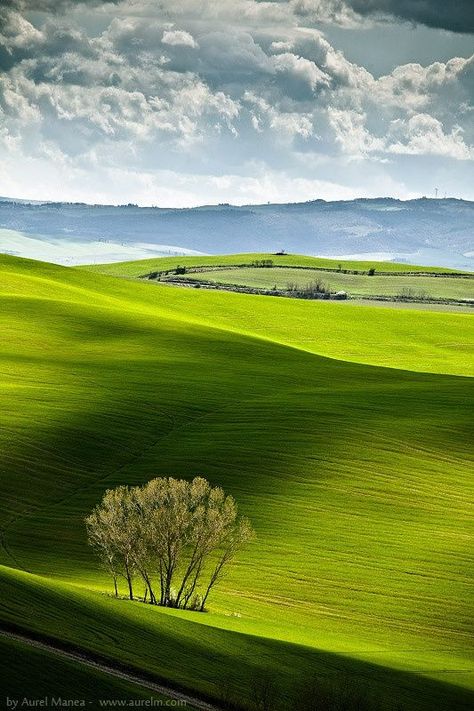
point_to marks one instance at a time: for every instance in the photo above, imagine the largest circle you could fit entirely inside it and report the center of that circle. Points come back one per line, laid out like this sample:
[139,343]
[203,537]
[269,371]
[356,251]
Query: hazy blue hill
[420,231]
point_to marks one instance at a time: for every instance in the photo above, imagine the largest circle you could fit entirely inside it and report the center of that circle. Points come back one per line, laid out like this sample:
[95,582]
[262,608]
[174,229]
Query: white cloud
[179,38]
[281,46]
[293,124]
[166,187]
[422,134]
[300,68]
[241,89]
[352,135]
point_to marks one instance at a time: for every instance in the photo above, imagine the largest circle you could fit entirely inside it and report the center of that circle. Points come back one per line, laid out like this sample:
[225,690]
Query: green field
[353,284]
[34,674]
[141,267]
[343,433]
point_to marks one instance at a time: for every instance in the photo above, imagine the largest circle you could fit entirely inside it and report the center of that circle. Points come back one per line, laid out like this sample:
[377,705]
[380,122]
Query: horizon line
[36,202]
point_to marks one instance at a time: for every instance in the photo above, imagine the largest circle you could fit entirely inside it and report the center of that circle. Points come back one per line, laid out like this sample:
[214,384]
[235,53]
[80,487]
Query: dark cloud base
[457,16]
[50,5]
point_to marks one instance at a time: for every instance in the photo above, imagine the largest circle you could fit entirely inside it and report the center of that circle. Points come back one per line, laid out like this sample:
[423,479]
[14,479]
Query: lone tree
[177,536]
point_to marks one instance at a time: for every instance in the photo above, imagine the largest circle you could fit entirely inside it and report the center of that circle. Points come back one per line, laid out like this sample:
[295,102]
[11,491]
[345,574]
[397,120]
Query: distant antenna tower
[436,193]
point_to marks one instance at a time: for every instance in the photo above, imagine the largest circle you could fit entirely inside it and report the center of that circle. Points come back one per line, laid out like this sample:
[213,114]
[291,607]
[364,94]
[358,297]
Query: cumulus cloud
[302,74]
[352,135]
[179,38]
[423,134]
[230,89]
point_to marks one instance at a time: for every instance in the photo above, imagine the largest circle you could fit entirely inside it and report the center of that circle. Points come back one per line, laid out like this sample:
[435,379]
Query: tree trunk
[214,578]
[162,584]
[192,565]
[190,592]
[149,587]
[115,586]
[168,579]
[129,581]
[206,595]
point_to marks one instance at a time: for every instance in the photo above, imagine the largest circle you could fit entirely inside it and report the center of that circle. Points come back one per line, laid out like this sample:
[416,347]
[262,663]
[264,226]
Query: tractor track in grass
[108,668]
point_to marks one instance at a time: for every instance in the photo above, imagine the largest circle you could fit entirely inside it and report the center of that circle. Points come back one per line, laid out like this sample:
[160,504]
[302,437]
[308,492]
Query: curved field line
[109,669]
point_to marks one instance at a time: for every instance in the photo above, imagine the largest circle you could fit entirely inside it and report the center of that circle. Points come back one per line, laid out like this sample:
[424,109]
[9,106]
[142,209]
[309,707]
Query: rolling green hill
[358,285]
[342,432]
[141,267]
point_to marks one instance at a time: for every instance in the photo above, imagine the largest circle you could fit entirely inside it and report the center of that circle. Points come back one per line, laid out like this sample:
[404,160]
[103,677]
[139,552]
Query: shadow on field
[128,401]
[241,670]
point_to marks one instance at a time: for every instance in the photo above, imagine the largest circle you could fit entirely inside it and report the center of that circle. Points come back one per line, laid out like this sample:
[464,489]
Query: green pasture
[141,267]
[354,284]
[218,661]
[35,674]
[357,479]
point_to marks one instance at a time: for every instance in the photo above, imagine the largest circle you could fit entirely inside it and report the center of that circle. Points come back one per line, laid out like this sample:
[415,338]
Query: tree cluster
[315,289]
[262,263]
[176,536]
[409,294]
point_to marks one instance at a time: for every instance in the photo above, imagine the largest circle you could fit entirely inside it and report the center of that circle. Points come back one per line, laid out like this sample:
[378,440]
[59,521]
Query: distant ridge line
[317,201]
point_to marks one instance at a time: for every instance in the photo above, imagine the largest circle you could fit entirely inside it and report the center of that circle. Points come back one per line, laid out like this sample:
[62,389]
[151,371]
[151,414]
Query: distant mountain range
[424,231]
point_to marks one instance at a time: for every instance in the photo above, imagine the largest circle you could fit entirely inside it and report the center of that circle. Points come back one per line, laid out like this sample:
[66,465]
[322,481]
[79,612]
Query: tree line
[176,536]
[313,289]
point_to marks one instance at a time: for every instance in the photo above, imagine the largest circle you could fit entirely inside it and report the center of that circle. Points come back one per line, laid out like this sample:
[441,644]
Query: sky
[188,102]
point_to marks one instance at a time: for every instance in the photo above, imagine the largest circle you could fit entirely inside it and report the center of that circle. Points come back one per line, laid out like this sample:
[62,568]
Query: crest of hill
[143,267]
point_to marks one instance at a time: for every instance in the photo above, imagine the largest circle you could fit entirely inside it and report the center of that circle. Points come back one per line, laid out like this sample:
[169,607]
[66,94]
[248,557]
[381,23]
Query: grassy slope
[354,284]
[145,266]
[32,673]
[106,382]
[419,341]
[209,657]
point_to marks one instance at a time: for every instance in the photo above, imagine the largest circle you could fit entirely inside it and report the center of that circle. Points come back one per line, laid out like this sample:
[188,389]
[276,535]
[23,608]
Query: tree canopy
[177,536]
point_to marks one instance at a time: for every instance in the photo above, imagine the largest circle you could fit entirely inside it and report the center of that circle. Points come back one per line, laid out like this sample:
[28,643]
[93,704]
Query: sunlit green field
[142,267]
[343,431]
[353,284]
